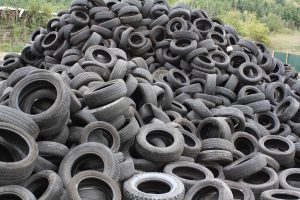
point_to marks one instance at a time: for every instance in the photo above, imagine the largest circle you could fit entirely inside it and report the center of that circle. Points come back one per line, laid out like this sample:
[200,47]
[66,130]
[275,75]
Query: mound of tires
[139,100]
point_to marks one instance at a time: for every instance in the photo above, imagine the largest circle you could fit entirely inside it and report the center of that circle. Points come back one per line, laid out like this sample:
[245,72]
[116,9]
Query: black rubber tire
[133,190]
[234,114]
[101,132]
[18,118]
[17,171]
[188,173]
[45,120]
[264,180]
[240,190]
[210,186]
[244,142]
[217,144]
[287,109]
[45,185]
[269,120]
[140,163]
[15,192]
[157,154]
[93,184]
[219,123]
[108,92]
[52,151]
[192,144]
[218,156]
[250,79]
[245,166]
[288,179]
[215,168]
[285,155]
[103,153]
[112,110]
[279,194]
[97,49]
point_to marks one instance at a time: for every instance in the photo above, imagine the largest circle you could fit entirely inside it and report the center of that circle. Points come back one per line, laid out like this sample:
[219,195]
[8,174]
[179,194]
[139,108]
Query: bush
[274,22]
[247,24]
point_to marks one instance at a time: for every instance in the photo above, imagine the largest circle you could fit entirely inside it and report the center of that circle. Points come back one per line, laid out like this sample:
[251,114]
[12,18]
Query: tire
[240,191]
[17,171]
[288,179]
[18,118]
[84,79]
[92,184]
[269,120]
[108,92]
[217,144]
[50,116]
[90,52]
[86,152]
[174,147]
[218,156]
[285,156]
[213,123]
[52,150]
[235,115]
[165,187]
[259,183]
[140,163]
[101,132]
[129,129]
[192,145]
[45,185]
[245,166]
[244,142]
[210,186]
[287,109]
[112,110]
[187,172]
[277,194]
[215,168]
[15,192]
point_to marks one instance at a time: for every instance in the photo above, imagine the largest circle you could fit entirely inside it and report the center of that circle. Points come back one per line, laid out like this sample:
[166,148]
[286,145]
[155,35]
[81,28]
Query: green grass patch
[285,42]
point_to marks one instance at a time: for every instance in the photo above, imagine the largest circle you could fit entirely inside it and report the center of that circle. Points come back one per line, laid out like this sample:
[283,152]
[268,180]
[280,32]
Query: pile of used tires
[140,100]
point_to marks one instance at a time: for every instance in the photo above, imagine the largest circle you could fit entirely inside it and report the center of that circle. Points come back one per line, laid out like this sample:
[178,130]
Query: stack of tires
[140,100]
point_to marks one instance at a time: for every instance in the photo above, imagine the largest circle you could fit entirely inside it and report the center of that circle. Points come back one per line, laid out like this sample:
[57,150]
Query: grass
[285,42]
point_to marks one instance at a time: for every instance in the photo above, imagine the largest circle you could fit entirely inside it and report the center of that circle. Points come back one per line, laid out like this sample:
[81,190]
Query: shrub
[274,22]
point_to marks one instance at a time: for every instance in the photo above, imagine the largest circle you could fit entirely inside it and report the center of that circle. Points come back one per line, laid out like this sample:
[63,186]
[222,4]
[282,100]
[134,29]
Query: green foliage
[16,30]
[247,24]
[274,23]
[255,29]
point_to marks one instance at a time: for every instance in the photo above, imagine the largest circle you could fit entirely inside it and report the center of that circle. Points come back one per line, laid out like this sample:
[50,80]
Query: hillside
[274,22]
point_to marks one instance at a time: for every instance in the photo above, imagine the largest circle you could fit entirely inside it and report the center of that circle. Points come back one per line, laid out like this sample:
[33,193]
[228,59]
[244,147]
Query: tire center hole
[102,56]
[293,180]
[93,188]
[244,145]
[208,192]
[87,162]
[189,173]
[102,136]
[166,137]
[276,145]
[258,178]
[285,196]
[154,187]
[210,130]
[40,187]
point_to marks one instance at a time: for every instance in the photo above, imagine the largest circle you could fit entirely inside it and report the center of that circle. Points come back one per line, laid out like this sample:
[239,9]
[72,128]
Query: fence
[292,59]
